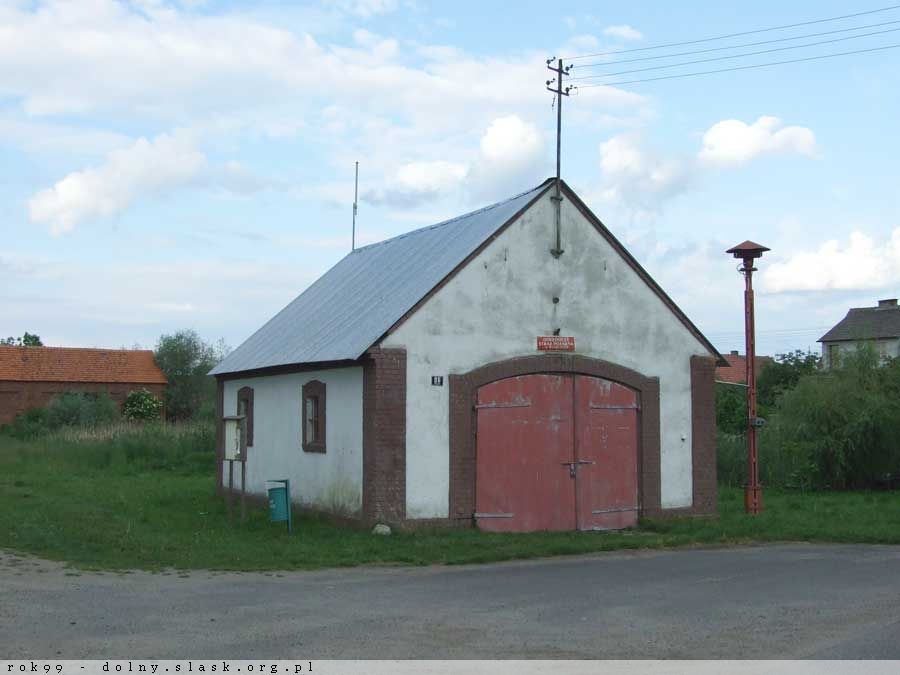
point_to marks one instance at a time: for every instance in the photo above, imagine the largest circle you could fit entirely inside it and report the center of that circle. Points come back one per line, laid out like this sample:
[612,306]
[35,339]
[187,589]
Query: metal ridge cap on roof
[449,221]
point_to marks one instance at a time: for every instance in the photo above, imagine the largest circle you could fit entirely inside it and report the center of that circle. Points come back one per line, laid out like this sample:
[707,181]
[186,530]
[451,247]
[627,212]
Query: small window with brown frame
[245,409]
[313,416]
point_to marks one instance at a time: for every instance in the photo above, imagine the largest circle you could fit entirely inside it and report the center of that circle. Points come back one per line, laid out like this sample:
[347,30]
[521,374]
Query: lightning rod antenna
[355,207]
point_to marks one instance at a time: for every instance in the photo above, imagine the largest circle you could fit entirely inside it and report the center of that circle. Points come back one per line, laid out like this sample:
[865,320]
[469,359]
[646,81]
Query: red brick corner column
[384,435]
[463,393]
[703,434]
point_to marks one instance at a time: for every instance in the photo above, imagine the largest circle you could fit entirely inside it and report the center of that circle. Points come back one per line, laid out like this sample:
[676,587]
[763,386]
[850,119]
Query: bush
[84,410]
[842,427]
[28,425]
[731,409]
[838,428]
[68,410]
[782,374]
[141,406]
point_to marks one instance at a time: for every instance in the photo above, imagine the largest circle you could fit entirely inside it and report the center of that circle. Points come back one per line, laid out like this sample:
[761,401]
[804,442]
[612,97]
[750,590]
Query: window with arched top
[313,416]
[245,409]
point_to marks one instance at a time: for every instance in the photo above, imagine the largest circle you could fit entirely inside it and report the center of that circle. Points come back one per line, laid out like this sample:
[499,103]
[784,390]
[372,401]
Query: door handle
[573,466]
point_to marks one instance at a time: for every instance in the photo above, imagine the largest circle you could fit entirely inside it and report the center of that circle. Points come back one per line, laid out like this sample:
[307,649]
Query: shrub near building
[69,409]
[836,429]
[141,406]
[841,428]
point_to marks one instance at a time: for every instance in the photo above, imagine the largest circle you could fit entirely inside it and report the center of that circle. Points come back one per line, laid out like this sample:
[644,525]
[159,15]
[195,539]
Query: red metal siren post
[748,252]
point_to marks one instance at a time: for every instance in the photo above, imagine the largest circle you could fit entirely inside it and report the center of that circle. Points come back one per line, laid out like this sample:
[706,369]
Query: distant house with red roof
[31,376]
[736,370]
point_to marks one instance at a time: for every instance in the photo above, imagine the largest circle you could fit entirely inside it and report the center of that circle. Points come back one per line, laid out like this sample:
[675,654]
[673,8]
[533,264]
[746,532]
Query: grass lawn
[120,504]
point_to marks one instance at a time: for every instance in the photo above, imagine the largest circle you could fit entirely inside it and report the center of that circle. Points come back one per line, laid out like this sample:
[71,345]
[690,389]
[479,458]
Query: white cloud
[638,178]
[54,141]
[641,181]
[145,168]
[229,75]
[365,8]
[435,176]
[512,157]
[861,263]
[415,183]
[224,72]
[623,32]
[733,142]
[510,140]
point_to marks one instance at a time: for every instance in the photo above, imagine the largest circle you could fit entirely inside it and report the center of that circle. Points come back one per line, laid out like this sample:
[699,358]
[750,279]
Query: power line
[789,332]
[731,35]
[736,56]
[726,70]
[740,46]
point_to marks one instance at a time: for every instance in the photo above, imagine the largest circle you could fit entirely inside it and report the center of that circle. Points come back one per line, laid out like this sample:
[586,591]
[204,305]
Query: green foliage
[27,425]
[731,408]
[82,410]
[75,410]
[141,406]
[731,458]
[783,374]
[27,340]
[841,428]
[186,361]
[837,428]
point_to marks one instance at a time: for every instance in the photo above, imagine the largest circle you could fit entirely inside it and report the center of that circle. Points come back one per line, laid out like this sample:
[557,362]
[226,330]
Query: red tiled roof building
[736,370]
[31,376]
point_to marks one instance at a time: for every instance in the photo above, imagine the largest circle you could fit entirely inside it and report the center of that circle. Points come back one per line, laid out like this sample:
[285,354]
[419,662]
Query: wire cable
[735,56]
[726,70]
[731,35]
[746,44]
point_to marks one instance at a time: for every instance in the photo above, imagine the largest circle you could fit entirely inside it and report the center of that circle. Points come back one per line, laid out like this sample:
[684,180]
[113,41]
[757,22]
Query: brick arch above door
[463,393]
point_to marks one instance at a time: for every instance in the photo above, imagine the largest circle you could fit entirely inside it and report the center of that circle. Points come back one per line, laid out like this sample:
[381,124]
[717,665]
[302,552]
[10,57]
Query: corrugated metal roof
[353,304]
[866,323]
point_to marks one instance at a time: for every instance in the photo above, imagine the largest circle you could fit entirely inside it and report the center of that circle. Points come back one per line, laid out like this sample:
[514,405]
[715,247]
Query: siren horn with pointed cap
[748,249]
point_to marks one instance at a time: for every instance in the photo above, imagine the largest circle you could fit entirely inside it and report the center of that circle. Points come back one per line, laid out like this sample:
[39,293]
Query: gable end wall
[493,309]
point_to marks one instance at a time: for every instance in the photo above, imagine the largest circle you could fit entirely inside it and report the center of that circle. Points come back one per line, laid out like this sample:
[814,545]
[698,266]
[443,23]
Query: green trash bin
[280,503]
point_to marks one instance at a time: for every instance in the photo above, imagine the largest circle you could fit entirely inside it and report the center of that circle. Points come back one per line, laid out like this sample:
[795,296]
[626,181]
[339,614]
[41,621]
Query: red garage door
[556,452]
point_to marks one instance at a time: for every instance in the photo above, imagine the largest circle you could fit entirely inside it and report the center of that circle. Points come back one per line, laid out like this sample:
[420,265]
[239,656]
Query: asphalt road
[788,601]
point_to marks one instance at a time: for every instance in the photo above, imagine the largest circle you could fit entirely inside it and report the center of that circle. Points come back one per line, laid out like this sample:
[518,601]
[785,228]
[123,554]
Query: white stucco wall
[886,348]
[331,481]
[496,307]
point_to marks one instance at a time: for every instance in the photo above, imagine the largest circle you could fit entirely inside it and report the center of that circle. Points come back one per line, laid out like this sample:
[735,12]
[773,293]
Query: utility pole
[560,91]
[355,193]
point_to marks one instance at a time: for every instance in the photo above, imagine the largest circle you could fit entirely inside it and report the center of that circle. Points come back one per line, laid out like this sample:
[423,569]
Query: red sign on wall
[555,343]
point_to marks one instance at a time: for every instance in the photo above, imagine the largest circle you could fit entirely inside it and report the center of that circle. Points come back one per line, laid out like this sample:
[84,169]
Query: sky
[170,165]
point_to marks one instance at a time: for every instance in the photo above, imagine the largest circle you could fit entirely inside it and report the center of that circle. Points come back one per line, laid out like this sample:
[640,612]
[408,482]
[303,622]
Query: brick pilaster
[384,435]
